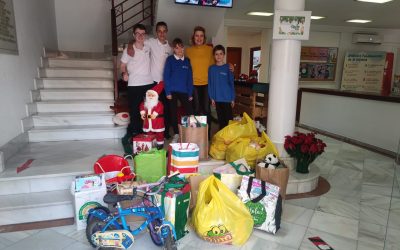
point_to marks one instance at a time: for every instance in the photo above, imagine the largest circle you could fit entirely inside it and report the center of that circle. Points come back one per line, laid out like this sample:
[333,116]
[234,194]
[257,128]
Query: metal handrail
[119,29]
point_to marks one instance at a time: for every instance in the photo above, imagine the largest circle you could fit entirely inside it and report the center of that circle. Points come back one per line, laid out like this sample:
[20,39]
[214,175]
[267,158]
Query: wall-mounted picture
[211,3]
[291,25]
[8,33]
[318,63]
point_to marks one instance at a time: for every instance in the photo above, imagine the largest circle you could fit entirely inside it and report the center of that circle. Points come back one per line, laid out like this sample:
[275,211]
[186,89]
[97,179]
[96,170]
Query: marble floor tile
[297,215]
[374,215]
[394,219]
[344,207]
[290,235]
[335,241]
[371,233]
[344,193]
[361,245]
[324,164]
[257,243]
[43,240]
[373,175]
[395,203]
[310,203]
[335,224]
[345,178]
[356,165]
[375,200]
[392,239]
[379,190]
[79,246]
[379,164]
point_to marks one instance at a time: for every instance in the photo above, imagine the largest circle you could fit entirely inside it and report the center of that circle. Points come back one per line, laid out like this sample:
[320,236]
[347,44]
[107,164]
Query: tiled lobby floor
[360,212]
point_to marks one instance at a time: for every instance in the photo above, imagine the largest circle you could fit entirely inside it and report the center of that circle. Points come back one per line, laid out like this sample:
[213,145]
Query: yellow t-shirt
[201,57]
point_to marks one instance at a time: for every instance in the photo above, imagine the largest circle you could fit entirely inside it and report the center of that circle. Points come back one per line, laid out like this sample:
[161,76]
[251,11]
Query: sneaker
[175,139]
[160,146]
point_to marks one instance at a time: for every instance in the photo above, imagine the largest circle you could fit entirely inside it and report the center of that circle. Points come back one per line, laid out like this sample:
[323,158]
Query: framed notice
[363,71]
[291,25]
[8,34]
[318,63]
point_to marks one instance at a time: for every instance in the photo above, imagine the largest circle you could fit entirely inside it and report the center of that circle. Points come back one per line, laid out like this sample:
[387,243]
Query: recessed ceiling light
[255,13]
[317,17]
[374,1]
[358,21]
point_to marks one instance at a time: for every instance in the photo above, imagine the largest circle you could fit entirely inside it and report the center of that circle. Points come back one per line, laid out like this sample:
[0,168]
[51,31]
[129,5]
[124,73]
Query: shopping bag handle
[240,172]
[263,192]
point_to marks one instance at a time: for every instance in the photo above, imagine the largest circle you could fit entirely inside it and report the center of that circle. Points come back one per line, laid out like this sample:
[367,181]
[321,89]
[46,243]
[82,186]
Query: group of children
[179,85]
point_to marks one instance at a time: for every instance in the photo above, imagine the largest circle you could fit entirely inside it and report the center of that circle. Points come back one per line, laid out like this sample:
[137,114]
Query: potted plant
[304,148]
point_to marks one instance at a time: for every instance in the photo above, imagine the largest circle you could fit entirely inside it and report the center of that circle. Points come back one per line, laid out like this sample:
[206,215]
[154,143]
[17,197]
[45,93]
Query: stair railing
[122,21]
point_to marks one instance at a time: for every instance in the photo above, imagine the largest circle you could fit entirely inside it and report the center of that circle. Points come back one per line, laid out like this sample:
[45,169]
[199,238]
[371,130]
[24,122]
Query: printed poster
[8,34]
[363,71]
[318,63]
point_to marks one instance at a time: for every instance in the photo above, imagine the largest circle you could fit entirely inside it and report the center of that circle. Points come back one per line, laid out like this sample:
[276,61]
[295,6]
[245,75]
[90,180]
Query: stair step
[22,208]
[64,82]
[74,105]
[75,72]
[63,133]
[76,62]
[73,118]
[76,94]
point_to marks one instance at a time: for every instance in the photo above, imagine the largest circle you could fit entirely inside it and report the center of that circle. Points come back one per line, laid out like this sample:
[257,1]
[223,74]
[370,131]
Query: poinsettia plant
[305,148]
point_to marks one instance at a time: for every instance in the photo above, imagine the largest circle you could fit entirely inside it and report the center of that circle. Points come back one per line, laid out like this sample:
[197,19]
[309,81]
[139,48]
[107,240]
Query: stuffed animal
[270,162]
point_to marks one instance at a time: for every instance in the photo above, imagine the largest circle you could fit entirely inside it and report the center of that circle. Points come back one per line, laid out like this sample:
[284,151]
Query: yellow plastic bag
[219,215]
[245,128]
[218,149]
[252,149]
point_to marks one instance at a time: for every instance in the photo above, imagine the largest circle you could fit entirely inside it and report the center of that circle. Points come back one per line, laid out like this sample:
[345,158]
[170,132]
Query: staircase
[72,100]
[70,108]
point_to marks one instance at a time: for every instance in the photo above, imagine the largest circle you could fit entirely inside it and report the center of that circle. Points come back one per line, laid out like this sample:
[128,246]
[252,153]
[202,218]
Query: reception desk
[369,119]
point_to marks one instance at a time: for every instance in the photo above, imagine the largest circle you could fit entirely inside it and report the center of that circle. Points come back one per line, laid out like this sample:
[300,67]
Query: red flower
[304,146]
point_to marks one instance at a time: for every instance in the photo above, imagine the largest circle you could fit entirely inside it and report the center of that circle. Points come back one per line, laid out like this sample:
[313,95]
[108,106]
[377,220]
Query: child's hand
[213,103]
[125,76]
[190,98]
[169,97]
[143,116]
[232,104]
[231,67]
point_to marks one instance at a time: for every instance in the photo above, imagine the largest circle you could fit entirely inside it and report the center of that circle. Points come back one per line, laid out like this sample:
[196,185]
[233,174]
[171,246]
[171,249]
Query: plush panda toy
[270,162]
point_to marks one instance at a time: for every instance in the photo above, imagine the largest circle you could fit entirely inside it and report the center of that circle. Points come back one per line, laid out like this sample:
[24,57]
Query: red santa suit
[154,126]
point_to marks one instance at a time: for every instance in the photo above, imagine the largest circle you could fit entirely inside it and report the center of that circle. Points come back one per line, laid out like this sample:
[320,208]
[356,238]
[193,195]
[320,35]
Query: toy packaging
[143,143]
[194,121]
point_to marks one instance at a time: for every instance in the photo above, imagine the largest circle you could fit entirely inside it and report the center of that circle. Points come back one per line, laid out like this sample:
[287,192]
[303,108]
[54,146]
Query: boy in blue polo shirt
[220,87]
[178,84]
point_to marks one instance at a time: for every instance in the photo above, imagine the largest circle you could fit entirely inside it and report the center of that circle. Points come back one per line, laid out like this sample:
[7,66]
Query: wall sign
[363,71]
[8,34]
[318,63]
[291,25]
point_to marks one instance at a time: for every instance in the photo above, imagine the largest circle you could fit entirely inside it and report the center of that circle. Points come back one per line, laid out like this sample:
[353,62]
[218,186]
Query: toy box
[143,142]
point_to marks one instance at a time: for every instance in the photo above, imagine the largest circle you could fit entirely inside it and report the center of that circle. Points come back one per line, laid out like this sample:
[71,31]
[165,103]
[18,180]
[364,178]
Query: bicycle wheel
[104,209]
[155,237]
[169,242]
[93,226]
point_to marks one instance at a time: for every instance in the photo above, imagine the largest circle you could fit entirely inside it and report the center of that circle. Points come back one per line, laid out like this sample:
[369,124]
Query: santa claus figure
[152,111]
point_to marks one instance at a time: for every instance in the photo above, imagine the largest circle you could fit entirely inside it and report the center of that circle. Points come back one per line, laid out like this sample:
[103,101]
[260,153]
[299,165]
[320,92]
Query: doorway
[234,57]
[255,58]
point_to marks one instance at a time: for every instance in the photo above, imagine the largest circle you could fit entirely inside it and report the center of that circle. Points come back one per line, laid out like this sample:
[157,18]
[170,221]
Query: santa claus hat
[158,88]
[121,118]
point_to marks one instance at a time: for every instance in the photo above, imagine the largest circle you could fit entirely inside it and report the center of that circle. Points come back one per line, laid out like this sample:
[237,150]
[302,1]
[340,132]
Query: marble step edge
[75,68]
[41,129]
[42,176]
[26,206]
[77,59]
[75,114]
[75,101]
[51,53]
[73,78]
[89,90]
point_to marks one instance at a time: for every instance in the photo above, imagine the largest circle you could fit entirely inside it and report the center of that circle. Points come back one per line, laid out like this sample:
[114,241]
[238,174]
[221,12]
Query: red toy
[115,167]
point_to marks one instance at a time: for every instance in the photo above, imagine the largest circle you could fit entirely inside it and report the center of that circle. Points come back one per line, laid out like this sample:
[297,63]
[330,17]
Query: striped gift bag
[183,158]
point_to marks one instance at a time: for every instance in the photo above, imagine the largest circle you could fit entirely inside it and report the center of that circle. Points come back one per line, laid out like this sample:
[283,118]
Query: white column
[284,82]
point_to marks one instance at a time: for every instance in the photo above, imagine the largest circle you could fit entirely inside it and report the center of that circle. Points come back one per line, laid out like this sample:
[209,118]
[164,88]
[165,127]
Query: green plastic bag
[150,166]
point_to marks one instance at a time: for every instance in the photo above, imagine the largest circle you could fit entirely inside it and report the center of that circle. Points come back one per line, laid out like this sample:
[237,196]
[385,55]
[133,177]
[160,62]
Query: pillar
[284,82]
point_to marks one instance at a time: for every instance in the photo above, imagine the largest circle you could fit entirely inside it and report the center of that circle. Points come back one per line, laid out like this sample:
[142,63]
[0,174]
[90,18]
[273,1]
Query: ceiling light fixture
[374,1]
[255,13]
[358,21]
[317,17]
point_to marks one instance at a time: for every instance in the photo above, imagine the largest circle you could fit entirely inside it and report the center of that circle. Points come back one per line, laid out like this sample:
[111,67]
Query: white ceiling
[383,16]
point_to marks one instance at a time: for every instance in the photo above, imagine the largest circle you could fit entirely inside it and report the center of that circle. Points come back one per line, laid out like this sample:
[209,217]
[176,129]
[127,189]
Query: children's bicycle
[107,230]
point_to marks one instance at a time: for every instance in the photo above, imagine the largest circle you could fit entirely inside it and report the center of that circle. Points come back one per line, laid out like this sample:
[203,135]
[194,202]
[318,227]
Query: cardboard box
[143,142]
[85,199]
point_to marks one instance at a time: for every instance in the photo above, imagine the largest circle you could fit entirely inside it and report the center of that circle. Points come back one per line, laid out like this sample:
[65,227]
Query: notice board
[8,34]
[364,71]
[318,63]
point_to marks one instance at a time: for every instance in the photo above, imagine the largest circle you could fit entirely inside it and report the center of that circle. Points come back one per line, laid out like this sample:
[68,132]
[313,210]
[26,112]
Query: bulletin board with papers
[8,34]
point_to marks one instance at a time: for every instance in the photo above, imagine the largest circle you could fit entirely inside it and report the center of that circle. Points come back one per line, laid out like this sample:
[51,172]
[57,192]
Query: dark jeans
[173,108]
[136,95]
[201,103]
[224,112]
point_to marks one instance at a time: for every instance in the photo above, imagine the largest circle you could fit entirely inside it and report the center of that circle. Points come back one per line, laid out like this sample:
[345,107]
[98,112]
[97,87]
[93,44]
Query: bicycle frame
[149,213]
